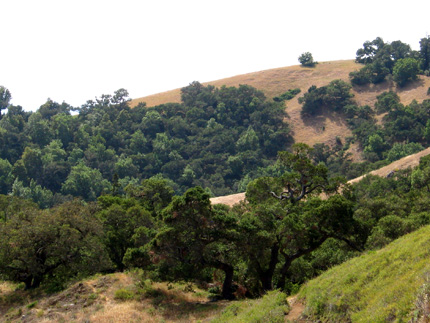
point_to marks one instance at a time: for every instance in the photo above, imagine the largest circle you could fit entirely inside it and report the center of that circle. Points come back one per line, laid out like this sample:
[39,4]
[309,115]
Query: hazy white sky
[76,50]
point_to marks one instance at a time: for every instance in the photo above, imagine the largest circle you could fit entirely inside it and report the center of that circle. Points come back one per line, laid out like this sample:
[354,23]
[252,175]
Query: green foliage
[376,145]
[195,236]
[400,150]
[154,193]
[86,182]
[32,305]
[188,143]
[126,225]
[362,76]
[387,101]
[405,70]
[313,101]
[63,241]
[306,59]
[367,54]
[248,141]
[425,54]
[278,228]
[5,97]
[6,177]
[420,178]
[334,96]
[380,59]
[123,294]
[36,193]
[287,95]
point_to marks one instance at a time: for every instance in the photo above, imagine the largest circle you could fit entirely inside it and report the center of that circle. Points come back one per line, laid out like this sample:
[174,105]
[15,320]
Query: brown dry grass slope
[98,300]
[324,128]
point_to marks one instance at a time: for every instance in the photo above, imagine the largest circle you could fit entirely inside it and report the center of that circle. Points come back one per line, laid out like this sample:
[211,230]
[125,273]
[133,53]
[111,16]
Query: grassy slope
[389,285]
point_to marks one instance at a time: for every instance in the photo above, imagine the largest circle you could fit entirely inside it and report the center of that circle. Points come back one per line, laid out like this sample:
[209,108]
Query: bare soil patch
[297,308]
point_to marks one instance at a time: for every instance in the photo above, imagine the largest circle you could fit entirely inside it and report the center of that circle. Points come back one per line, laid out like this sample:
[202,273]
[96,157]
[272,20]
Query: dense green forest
[110,187]
[217,139]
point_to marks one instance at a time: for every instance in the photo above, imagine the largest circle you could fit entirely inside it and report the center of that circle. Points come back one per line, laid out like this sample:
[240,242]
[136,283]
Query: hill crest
[328,126]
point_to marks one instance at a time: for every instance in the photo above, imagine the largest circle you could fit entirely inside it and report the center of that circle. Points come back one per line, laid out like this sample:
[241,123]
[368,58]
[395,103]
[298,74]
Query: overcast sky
[74,51]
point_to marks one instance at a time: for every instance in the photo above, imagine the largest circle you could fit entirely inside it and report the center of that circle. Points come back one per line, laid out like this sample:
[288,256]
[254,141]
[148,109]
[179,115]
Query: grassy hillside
[325,128]
[389,285]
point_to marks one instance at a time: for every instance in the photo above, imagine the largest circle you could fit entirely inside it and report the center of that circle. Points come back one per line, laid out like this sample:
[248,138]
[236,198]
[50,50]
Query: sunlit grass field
[389,285]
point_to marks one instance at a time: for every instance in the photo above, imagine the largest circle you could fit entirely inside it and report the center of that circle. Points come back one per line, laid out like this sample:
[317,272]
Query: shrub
[406,70]
[32,305]
[361,77]
[123,294]
[306,59]
[287,95]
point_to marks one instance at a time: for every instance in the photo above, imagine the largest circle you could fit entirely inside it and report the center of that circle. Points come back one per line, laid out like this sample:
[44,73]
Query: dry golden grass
[94,300]
[6,287]
[272,82]
[410,161]
[229,200]
[324,128]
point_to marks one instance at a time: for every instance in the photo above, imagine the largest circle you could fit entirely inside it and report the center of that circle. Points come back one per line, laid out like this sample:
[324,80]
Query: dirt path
[296,311]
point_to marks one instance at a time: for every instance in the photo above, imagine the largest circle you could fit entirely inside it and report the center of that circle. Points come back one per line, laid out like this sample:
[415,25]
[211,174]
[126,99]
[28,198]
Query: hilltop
[325,128]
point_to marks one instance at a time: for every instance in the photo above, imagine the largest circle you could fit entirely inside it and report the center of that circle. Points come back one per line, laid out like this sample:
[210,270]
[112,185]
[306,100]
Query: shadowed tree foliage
[195,236]
[286,220]
[122,219]
[63,241]
[334,96]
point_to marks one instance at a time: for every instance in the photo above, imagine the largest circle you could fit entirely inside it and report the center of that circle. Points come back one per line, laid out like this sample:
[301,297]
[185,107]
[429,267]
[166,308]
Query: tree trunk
[28,282]
[266,276]
[284,270]
[36,281]
[266,280]
[227,292]
[290,258]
